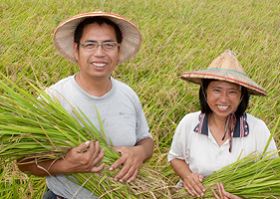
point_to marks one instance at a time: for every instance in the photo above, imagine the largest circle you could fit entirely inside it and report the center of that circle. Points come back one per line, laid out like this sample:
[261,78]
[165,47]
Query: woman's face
[223,97]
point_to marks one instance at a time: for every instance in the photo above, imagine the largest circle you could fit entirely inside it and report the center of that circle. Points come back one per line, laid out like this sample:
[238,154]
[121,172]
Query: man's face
[98,62]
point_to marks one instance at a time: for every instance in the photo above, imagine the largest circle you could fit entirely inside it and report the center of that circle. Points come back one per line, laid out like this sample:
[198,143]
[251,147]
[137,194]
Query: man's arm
[132,159]
[81,159]
[147,145]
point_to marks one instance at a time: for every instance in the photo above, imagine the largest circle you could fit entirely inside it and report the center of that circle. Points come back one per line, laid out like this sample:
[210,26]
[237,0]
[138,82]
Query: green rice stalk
[255,176]
[42,129]
[15,184]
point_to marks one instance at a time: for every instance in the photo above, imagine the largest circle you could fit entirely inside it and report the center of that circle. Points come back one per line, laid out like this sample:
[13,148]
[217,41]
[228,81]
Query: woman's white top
[201,151]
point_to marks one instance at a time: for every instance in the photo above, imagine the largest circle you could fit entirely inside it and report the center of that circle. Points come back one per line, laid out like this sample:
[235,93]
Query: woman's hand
[193,184]
[220,193]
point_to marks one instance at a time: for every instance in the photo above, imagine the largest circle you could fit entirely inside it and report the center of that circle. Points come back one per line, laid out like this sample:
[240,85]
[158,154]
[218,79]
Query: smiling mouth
[98,65]
[223,107]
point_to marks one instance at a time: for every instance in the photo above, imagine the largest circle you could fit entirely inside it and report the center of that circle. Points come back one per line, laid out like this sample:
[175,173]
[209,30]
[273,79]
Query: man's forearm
[45,168]
[147,145]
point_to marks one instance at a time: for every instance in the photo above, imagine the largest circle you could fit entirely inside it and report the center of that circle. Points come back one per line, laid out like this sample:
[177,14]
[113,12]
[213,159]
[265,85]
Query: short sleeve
[178,143]
[142,128]
[264,138]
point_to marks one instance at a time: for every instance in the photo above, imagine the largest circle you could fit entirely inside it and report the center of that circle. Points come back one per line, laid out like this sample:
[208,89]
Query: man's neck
[94,86]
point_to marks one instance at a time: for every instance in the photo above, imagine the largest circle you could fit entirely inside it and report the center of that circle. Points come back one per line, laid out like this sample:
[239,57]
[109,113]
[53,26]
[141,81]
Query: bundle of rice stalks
[255,176]
[42,129]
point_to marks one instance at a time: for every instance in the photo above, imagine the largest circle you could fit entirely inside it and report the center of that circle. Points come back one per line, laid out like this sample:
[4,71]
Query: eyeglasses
[106,45]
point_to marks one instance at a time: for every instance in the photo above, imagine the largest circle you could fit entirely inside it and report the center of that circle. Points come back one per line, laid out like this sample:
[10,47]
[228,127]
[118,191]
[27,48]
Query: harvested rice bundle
[254,176]
[43,129]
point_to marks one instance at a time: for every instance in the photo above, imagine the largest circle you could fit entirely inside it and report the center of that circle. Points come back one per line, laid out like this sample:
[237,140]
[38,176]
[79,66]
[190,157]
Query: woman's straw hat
[64,35]
[226,68]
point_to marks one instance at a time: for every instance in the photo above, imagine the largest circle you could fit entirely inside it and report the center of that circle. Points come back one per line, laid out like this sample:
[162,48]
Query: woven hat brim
[64,35]
[225,75]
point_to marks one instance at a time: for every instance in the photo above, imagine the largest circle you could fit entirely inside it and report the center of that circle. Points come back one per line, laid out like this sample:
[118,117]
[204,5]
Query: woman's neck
[217,126]
[216,121]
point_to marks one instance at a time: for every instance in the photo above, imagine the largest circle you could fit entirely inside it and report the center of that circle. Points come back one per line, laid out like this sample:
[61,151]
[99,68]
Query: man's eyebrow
[90,41]
[93,41]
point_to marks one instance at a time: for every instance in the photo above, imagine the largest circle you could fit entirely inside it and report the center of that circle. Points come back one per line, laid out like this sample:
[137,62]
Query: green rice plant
[40,129]
[254,176]
[178,36]
[15,184]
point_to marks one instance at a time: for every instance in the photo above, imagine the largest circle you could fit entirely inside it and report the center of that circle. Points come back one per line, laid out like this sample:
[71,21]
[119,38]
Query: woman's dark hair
[206,109]
[99,20]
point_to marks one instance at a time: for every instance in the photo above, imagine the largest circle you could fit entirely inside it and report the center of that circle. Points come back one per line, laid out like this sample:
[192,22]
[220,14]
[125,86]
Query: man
[97,42]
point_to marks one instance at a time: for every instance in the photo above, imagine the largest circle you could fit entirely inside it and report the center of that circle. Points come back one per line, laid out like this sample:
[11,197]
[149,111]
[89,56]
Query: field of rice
[178,36]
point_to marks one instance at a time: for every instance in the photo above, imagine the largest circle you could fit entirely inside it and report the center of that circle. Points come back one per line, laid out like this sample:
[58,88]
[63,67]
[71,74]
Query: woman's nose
[223,96]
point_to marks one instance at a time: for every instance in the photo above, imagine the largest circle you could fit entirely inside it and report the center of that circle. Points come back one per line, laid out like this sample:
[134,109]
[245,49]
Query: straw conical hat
[64,35]
[226,68]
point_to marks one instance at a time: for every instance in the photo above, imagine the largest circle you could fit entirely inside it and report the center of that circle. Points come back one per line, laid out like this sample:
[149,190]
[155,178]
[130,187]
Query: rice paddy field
[178,36]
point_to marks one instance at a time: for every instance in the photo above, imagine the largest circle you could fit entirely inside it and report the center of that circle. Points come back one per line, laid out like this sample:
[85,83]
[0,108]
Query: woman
[221,132]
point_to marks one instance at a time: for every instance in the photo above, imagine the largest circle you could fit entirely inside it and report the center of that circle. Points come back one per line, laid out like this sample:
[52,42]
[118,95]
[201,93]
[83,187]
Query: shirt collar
[241,128]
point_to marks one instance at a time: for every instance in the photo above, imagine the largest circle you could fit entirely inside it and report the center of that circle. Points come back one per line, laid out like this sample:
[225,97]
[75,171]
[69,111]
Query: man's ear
[76,50]
[119,53]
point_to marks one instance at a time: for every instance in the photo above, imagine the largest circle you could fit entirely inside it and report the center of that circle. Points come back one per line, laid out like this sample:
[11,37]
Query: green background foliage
[178,36]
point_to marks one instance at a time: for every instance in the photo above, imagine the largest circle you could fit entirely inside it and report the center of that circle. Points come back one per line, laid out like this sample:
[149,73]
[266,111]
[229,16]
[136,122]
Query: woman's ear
[204,93]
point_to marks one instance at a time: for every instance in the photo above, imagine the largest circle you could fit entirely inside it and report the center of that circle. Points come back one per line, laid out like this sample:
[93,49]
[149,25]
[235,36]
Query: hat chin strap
[229,129]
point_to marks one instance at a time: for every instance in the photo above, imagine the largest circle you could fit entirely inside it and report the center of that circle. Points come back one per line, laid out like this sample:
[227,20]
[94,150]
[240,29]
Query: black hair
[245,96]
[99,20]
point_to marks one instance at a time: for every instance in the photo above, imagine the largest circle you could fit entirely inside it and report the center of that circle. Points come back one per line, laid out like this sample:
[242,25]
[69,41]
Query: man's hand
[84,158]
[130,162]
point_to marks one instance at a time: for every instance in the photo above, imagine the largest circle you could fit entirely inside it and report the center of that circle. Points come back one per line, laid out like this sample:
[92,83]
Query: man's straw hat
[64,35]
[226,68]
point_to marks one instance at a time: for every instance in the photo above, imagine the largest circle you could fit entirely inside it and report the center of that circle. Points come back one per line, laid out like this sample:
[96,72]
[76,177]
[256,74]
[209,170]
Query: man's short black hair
[99,20]
[206,109]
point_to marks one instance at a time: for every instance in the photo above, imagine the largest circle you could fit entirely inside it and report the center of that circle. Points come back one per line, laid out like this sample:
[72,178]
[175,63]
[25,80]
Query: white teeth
[222,107]
[99,65]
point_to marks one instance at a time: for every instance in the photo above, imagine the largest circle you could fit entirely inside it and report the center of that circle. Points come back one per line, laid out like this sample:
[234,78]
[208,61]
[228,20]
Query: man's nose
[99,51]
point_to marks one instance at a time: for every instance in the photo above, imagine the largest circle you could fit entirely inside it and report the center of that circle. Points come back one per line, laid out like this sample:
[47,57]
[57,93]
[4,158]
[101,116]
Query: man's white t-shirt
[122,118]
